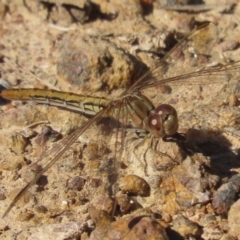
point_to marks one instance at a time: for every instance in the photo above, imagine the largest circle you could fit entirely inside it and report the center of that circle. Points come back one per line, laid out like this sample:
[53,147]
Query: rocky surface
[105,186]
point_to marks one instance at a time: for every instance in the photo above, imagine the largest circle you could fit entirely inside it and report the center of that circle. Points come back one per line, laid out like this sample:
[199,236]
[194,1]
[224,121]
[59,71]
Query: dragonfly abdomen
[71,101]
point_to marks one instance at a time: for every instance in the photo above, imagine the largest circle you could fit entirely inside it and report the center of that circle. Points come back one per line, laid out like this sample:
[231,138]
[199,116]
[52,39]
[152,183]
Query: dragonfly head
[163,122]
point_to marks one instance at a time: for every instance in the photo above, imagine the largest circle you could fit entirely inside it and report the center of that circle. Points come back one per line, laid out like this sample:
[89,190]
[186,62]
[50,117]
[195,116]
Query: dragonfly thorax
[163,122]
[137,107]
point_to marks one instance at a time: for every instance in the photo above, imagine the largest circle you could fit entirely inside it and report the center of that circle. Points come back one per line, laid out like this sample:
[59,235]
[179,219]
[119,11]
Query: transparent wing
[114,116]
[189,55]
[208,75]
[54,155]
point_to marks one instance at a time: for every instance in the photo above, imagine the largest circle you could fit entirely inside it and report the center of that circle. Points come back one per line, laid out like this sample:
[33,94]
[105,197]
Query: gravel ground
[163,189]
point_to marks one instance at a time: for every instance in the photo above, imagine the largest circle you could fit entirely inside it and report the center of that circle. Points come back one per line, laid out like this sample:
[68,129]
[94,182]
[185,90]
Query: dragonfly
[190,57]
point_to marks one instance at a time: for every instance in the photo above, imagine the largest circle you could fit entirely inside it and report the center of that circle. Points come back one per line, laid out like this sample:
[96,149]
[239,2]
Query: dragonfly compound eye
[169,118]
[155,125]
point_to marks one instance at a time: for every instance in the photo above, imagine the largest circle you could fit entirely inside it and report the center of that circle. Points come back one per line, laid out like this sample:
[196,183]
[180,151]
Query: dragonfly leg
[180,140]
[144,162]
[167,162]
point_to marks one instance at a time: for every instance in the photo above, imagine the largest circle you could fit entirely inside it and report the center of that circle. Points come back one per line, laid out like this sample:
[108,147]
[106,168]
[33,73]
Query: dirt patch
[99,48]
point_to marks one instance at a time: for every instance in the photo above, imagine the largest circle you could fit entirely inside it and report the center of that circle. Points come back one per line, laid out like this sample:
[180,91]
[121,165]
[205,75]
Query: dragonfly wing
[189,55]
[54,155]
[208,75]
[110,123]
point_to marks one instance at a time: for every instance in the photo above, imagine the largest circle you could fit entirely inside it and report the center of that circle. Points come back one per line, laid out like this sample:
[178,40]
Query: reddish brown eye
[165,109]
[155,125]
[164,122]
[169,118]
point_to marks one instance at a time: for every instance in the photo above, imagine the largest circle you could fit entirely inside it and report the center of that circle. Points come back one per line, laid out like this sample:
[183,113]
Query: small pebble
[135,185]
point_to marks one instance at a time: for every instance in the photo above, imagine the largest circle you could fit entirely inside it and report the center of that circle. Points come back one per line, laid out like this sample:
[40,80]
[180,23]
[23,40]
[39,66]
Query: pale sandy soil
[173,195]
